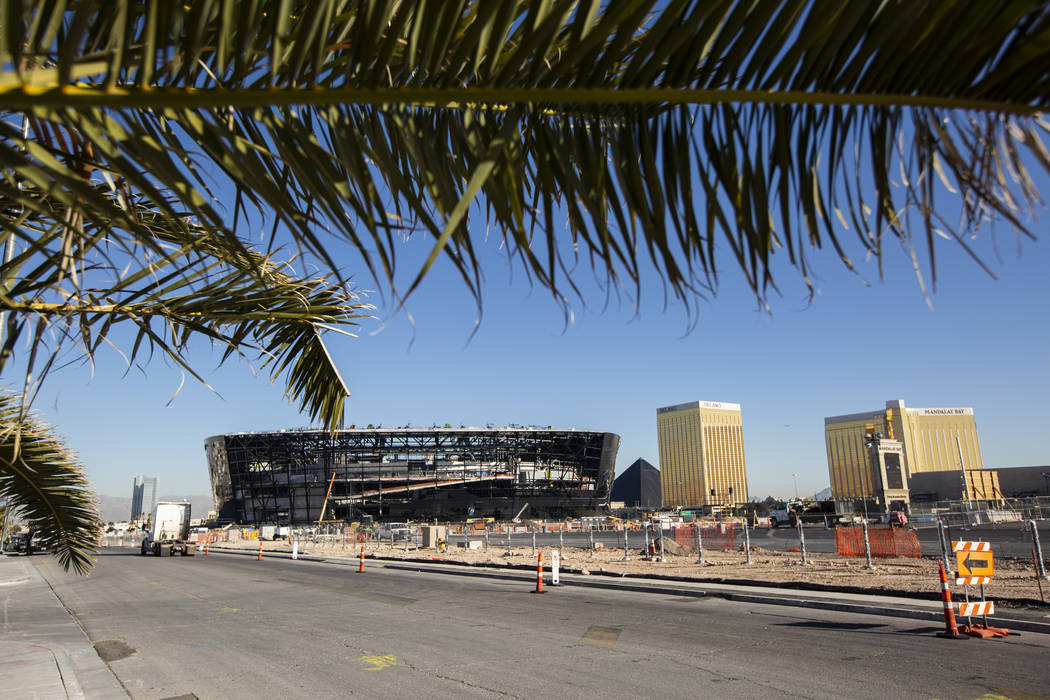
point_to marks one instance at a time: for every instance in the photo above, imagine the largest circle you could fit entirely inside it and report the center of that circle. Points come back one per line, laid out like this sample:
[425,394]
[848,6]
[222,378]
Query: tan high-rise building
[932,439]
[701,454]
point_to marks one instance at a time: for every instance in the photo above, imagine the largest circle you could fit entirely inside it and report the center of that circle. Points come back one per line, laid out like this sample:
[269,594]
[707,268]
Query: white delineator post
[867,545]
[555,566]
[295,550]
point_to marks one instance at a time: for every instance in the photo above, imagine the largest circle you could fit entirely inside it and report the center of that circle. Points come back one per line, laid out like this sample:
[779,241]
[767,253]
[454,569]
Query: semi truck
[169,530]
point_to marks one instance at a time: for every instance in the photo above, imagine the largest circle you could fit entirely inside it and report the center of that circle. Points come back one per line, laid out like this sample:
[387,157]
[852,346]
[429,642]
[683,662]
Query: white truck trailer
[169,530]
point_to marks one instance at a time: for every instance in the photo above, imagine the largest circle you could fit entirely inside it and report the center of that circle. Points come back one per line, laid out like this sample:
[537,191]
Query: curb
[635,585]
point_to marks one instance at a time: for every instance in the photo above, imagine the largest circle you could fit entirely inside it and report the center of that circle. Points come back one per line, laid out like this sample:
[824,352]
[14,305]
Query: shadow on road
[821,625]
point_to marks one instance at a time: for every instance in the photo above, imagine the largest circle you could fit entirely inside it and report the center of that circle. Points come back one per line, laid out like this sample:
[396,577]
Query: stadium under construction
[297,477]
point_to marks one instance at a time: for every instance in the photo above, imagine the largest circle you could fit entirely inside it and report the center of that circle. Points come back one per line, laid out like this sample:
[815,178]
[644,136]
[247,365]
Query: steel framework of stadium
[291,477]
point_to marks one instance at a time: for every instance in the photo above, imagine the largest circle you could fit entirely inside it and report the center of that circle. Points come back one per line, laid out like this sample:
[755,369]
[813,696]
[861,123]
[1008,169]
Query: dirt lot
[1014,582]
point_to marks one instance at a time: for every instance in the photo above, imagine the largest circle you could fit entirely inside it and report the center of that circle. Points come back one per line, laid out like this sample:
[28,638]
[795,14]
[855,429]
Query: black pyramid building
[638,486]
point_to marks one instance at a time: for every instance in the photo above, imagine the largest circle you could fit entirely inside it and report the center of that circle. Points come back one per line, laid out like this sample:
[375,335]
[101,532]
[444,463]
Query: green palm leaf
[188,284]
[705,134]
[41,479]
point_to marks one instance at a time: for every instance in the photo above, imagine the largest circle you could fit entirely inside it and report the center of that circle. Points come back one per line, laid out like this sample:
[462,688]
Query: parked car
[399,531]
[34,543]
[25,542]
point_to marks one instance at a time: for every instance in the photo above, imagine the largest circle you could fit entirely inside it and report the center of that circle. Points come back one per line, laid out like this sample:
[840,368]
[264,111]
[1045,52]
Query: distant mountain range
[117,508]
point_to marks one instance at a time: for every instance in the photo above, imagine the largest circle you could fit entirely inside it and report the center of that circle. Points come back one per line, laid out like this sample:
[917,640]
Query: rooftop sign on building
[718,405]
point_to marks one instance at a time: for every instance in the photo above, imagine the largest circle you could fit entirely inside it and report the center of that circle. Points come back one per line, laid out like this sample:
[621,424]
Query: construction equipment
[517,518]
[169,530]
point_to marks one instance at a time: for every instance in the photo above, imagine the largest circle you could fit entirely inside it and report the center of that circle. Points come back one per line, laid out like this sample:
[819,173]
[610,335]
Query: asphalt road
[228,626]
[1007,540]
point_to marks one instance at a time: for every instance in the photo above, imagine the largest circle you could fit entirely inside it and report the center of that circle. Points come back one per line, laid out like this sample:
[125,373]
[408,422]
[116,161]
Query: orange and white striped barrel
[985,607]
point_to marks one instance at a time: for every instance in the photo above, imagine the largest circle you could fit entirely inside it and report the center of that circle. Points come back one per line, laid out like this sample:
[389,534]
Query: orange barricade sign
[975,563]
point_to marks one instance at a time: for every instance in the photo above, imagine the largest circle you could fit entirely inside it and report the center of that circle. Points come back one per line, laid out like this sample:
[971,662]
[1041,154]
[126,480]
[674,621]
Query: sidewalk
[43,652]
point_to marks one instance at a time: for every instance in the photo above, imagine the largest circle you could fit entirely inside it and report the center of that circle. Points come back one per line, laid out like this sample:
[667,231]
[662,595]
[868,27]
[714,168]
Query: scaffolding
[285,477]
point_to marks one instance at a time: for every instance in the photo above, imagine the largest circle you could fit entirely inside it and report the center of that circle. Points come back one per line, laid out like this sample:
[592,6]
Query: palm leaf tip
[43,480]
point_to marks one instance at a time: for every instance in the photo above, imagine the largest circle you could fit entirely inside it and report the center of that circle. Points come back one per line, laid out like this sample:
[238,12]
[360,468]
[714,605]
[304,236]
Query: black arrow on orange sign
[982,563]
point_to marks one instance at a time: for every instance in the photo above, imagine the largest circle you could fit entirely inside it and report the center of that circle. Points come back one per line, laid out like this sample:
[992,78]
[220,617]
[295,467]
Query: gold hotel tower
[933,440]
[701,454]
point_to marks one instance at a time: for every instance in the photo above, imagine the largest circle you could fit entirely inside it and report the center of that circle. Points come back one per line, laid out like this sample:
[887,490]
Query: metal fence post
[699,546]
[533,543]
[508,539]
[662,557]
[591,533]
[1038,549]
[747,541]
[645,537]
[561,539]
[626,556]
[867,545]
[942,533]
[802,540]
[486,538]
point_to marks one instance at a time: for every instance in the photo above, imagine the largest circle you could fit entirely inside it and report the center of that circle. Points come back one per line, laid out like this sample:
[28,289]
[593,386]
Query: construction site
[897,562]
[297,477]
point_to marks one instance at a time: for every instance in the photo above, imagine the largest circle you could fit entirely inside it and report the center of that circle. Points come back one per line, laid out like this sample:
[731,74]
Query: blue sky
[984,344]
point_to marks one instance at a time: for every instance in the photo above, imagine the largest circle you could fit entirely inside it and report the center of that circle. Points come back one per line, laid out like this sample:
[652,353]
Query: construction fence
[720,537]
[884,541]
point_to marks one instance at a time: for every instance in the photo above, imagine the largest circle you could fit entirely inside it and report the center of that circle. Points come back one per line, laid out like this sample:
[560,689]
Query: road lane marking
[603,637]
[229,610]
[378,663]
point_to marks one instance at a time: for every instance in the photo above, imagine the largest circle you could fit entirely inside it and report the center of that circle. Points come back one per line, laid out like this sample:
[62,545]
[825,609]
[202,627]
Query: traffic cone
[951,630]
[539,572]
[361,567]
[260,550]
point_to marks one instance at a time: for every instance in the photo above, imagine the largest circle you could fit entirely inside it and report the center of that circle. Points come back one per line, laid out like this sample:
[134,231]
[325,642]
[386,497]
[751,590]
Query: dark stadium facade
[290,476]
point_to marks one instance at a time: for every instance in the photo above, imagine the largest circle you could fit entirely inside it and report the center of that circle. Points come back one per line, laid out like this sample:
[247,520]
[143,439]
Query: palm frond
[187,284]
[44,481]
[689,136]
